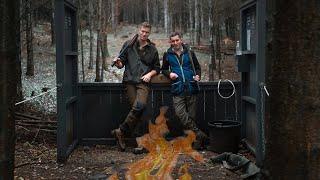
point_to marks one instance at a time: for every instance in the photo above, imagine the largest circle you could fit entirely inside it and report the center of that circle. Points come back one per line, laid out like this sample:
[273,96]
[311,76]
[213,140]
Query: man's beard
[177,48]
[142,38]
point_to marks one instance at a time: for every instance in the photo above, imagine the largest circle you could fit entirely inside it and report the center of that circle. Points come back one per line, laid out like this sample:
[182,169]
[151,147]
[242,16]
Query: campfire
[163,155]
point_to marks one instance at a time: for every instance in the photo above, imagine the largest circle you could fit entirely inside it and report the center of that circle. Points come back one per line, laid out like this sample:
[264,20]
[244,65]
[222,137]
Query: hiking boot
[119,138]
[201,136]
[199,143]
[140,150]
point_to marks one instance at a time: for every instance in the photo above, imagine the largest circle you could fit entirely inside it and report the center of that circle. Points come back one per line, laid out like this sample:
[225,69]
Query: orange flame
[184,169]
[163,155]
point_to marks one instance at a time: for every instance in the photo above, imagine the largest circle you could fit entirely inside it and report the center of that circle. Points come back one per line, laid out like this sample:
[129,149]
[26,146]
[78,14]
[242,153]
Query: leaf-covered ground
[38,161]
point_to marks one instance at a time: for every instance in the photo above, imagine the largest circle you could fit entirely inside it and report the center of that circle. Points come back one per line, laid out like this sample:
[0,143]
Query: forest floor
[36,155]
[37,160]
[36,151]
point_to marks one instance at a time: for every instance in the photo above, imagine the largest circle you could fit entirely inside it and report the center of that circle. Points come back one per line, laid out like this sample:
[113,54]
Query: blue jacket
[184,84]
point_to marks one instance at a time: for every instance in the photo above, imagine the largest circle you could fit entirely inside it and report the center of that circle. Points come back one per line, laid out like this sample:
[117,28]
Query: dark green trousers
[138,97]
[185,108]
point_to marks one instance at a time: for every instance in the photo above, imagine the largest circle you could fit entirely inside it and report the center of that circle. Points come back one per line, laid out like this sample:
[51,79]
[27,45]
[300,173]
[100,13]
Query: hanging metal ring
[234,89]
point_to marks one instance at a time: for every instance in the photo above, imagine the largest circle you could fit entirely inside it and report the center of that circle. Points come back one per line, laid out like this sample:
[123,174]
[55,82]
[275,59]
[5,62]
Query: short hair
[175,34]
[145,25]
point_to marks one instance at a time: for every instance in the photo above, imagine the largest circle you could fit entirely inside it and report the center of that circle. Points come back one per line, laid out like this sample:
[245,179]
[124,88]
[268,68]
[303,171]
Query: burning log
[163,155]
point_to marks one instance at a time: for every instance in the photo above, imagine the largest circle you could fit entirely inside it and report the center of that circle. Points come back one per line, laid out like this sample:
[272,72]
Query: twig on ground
[34,138]
[23,127]
[27,116]
[31,163]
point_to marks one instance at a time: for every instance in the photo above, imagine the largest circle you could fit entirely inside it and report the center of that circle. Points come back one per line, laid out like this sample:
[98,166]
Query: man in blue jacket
[185,72]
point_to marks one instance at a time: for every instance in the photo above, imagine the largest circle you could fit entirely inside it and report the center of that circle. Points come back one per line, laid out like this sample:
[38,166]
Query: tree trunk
[170,19]
[115,14]
[53,40]
[197,21]
[218,46]
[19,58]
[104,44]
[191,22]
[166,16]
[91,35]
[155,13]
[202,26]
[212,66]
[147,10]
[180,23]
[104,53]
[98,59]
[230,27]
[130,12]
[81,40]
[293,126]
[29,37]
[9,50]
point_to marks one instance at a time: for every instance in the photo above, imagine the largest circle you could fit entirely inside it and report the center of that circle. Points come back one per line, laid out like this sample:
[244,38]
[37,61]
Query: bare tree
[201,14]
[218,45]
[115,15]
[155,12]
[197,21]
[212,66]
[29,36]
[104,36]
[166,16]
[147,10]
[53,40]
[9,50]
[98,59]
[91,19]
[191,21]
[81,38]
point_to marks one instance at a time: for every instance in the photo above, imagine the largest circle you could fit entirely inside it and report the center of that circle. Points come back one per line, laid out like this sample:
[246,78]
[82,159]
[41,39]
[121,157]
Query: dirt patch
[38,161]
[36,154]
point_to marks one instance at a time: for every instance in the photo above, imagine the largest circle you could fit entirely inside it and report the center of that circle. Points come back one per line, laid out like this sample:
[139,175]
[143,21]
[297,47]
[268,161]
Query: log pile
[34,123]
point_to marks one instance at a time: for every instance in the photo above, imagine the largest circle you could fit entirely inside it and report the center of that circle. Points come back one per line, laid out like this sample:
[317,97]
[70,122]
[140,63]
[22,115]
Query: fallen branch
[31,163]
[46,126]
[23,127]
[35,121]
[33,129]
[27,116]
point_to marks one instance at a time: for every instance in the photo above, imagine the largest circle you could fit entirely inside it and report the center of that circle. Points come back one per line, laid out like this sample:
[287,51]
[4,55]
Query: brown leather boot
[119,137]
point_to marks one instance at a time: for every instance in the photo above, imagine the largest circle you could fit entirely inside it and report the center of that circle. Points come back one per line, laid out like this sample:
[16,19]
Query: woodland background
[27,52]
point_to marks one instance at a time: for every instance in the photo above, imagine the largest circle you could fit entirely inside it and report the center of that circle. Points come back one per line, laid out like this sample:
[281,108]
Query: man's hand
[173,76]
[117,62]
[196,78]
[147,77]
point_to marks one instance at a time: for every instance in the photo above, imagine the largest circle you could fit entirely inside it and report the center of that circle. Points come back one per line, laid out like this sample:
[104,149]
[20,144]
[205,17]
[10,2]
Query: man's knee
[137,108]
[180,112]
